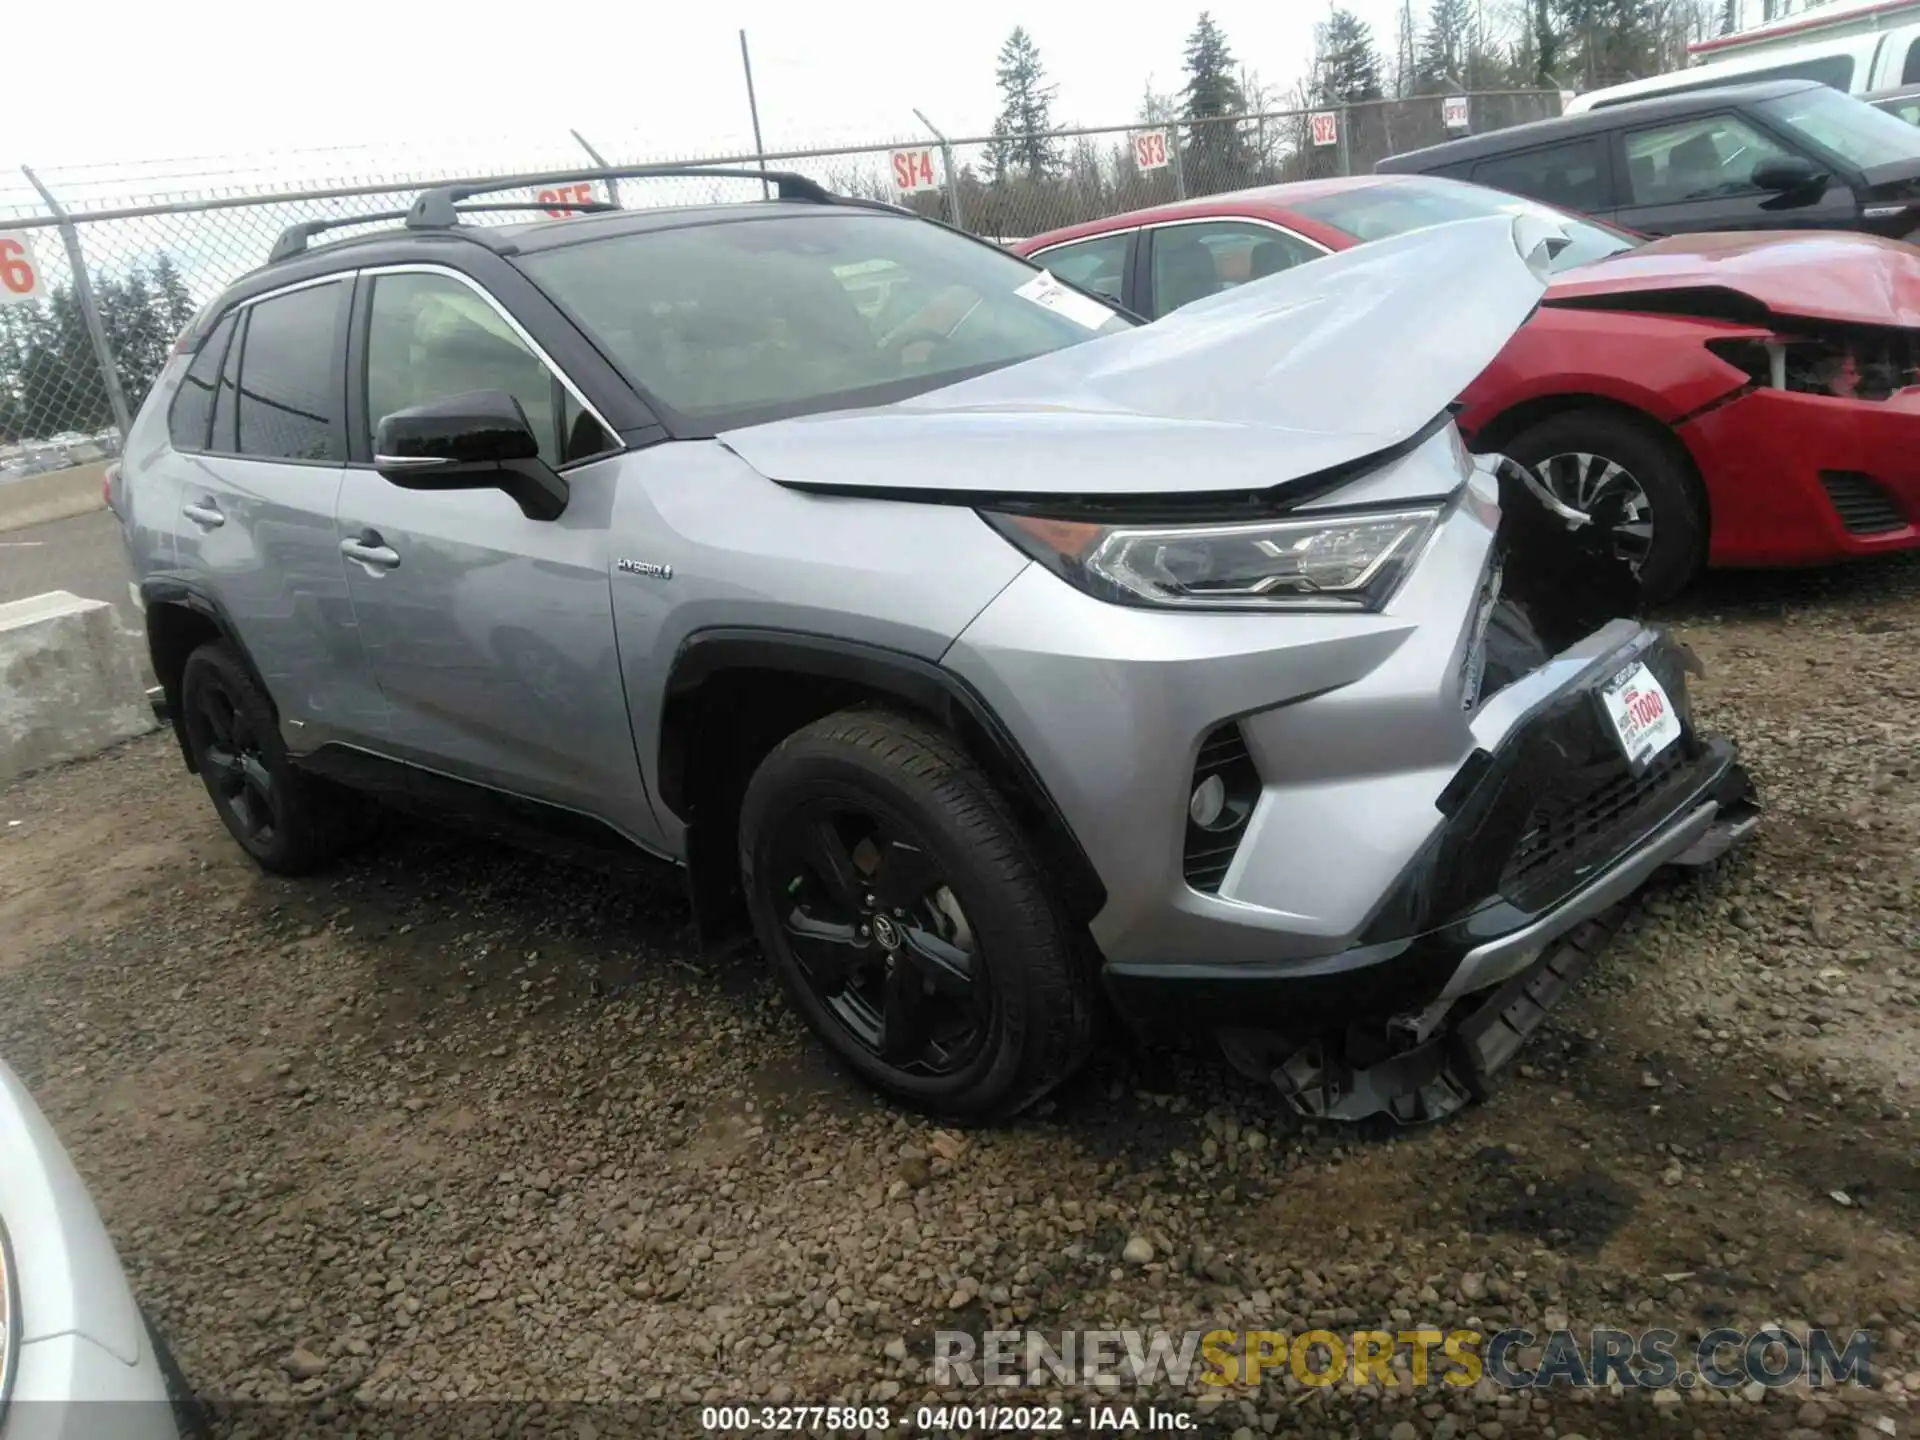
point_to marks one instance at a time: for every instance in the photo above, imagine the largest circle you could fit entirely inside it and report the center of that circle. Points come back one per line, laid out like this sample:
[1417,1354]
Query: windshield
[746,320]
[1393,207]
[1851,129]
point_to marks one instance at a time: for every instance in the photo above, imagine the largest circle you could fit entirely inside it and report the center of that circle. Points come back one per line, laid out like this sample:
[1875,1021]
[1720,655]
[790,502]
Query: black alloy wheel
[228,749]
[290,822]
[907,916]
[880,938]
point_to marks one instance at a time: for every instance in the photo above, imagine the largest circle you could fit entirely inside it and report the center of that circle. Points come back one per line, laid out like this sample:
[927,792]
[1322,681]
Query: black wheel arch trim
[918,682]
[181,594]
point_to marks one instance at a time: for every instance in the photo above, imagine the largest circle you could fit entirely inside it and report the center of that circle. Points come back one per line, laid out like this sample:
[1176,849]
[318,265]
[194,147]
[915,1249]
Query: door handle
[371,551]
[206,515]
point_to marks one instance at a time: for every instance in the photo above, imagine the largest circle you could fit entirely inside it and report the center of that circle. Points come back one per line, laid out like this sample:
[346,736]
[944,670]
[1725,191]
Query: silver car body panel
[743,553]
[1305,370]
[70,1282]
[491,639]
[1354,721]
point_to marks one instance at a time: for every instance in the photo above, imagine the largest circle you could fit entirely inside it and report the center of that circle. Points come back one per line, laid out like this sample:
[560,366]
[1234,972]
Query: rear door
[1189,260]
[1574,175]
[256,528]
[1696,174]
[491,635]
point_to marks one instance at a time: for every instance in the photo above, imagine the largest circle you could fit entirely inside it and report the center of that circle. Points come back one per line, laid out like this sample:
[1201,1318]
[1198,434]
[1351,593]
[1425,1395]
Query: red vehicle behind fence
[1736,399]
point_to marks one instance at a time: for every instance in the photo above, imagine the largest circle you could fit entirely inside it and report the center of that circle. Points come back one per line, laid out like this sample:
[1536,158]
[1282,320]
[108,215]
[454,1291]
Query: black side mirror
[477,441]
[1788,175]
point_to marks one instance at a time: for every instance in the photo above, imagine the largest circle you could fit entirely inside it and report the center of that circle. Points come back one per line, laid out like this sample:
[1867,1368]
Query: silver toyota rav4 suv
[1003,661]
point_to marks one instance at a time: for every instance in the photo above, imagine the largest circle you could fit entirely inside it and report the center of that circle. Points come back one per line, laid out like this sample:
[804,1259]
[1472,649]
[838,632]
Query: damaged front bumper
[1421,801]
[1544,840]
[1796,479]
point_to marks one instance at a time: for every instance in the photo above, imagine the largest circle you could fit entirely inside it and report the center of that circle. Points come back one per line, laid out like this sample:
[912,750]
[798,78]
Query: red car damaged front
[1788,365]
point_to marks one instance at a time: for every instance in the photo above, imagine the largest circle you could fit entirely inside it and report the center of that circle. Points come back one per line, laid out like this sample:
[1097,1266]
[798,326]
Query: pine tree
[1610,40]
[1349,65]
[1215,151]
[1546,45]
[1021,132]
[1406,41]
[1443,53]
[176,305]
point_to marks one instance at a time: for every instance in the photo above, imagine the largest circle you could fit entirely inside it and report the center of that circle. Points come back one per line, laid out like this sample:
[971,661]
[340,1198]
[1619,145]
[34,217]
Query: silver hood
[1274,381]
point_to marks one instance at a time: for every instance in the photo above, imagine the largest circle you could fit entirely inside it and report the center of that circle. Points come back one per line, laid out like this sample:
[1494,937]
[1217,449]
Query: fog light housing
[1209,802]
[1225,788]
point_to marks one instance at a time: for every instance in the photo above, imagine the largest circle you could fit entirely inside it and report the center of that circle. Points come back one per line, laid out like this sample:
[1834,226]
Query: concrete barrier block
[71,681]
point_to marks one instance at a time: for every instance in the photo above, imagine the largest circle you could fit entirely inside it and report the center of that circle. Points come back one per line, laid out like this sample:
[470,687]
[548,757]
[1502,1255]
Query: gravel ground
[453,1123]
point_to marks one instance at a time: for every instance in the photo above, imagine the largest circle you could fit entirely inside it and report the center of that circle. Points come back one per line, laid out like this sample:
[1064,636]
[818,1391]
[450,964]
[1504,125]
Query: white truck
[1856,46]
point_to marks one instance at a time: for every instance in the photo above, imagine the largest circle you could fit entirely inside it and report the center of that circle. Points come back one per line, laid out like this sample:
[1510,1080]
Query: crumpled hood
[1274,381]
[1817,275]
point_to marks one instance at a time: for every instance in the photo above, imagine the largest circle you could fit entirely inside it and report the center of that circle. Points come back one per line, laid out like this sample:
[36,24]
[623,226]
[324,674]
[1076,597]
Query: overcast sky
[219,76]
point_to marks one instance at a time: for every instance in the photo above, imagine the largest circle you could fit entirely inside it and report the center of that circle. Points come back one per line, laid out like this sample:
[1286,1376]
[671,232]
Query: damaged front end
[1543,840]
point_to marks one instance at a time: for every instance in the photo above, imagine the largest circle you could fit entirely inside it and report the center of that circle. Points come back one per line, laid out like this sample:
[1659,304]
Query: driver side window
[431,337]
[1700,159]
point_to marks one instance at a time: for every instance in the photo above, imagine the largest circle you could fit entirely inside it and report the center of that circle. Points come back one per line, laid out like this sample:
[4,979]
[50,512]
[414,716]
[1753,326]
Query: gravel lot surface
[453,1122]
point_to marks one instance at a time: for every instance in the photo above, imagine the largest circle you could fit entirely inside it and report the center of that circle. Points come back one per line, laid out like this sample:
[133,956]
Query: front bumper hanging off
[1544,841]
[1472,1037]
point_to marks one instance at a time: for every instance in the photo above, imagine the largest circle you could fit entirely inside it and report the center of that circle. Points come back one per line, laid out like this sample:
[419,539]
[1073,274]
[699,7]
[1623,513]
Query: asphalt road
[83,554]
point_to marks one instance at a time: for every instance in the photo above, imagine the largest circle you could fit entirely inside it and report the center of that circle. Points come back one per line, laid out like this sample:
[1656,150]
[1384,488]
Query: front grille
[1209,852]
[1863,506]
[1566,835]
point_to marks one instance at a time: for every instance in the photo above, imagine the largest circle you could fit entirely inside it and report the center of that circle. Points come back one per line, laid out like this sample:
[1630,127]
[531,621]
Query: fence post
[1346,142]
[89,307]
[1179,165]
[954,213]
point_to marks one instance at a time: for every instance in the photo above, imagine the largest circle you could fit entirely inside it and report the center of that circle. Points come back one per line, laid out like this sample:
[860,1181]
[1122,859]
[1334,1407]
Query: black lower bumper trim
[1397,977]
[1430,1081]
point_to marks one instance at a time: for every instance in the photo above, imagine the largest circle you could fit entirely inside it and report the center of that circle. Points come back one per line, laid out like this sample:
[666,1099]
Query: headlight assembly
[1330,562]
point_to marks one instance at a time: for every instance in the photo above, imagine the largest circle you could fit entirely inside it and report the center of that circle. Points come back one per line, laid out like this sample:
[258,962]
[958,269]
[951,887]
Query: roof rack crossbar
[437,209]
[293,240]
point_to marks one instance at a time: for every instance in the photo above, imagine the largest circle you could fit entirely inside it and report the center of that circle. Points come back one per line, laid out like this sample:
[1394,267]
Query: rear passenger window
[193,402]
[1564,175]
[1910,72]
[290,392]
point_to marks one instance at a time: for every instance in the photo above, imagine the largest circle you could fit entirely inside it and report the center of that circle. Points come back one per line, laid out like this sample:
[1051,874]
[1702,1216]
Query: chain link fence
[102,268]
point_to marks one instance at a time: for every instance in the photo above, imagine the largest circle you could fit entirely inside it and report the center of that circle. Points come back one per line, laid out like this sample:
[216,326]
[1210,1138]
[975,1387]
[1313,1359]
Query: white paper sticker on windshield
[1064,300]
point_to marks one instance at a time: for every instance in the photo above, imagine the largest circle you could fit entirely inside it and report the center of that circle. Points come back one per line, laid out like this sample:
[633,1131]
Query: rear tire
[1575,447]
[291,823]
[908,918]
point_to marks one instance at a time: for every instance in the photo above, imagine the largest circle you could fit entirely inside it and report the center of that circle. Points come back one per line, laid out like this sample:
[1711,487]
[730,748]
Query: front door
[260,431]
[491,634]
[1684,176]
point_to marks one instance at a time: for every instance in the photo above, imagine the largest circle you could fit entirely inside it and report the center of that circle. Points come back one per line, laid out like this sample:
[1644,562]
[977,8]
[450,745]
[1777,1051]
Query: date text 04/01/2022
[947,1419]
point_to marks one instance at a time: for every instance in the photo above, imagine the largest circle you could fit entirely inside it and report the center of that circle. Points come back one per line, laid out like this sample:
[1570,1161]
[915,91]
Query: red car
[1749,399]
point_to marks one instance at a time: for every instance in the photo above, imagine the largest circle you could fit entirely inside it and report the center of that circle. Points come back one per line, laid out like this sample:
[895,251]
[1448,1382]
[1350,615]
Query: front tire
[908,919]
[289,822]
[1588,457]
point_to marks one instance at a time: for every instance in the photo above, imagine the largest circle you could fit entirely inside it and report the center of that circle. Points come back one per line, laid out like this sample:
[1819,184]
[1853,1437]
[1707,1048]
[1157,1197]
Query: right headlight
[1329,562]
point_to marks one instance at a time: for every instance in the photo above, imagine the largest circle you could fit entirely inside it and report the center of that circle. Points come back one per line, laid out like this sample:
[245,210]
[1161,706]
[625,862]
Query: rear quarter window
[192,408]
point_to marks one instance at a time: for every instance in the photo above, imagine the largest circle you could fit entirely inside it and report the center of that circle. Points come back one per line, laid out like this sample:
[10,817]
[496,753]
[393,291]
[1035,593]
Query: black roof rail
[437,209]
[293,240]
